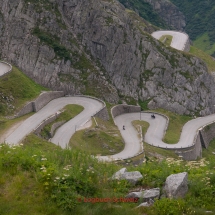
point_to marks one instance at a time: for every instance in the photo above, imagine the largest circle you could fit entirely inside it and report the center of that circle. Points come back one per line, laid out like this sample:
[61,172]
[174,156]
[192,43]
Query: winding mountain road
[179,39]
[63,135]
[133,144]
[154,134]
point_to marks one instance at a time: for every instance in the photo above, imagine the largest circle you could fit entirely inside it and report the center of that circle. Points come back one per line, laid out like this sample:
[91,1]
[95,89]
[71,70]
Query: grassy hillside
[210,62]
[200,22]
[16,89]
[40,178]
[204,43]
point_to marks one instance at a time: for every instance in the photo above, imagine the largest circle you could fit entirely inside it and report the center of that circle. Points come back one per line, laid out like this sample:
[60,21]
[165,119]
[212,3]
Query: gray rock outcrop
[169,13]
[145,195]
[98,47]
[176,185]
[131,177]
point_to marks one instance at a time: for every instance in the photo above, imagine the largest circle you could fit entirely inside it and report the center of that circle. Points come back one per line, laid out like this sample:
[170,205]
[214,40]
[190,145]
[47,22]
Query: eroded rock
[145,195]
[176,185]
[132,177]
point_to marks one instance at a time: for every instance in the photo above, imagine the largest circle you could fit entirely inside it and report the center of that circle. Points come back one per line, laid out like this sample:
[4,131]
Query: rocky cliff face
[169,13]
[100,48]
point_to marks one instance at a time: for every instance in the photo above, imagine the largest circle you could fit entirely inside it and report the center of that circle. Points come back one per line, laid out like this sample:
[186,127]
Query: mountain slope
[200,22]
[102,49]
[161,13]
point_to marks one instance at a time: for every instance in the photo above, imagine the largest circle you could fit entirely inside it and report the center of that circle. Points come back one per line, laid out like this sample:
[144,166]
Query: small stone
[144,204]
[132,177]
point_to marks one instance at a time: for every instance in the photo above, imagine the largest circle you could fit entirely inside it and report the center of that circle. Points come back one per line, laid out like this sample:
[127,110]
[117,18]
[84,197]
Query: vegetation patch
[104,139]
[144,104]
[141,124]
[58,181]
[54,42]
[15,90]
[145,10]
[166,39]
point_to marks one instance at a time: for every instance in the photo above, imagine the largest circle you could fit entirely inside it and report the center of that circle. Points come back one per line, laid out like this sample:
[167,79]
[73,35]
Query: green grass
[144,125]
[18,89]
[41,178]
[104,139]
[176,122]
[166,39]
[208,153]
[70,111]
[204,56]
[203,42]
[45,179]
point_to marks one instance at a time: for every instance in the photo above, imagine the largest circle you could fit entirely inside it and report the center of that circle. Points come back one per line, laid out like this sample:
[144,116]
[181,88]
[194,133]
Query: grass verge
[166,39]
[104,139]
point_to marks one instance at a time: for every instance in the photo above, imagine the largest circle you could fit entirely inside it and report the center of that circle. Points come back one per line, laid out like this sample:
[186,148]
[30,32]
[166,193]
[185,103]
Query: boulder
[176,185]
[145,195]
[119,174]
[132,177]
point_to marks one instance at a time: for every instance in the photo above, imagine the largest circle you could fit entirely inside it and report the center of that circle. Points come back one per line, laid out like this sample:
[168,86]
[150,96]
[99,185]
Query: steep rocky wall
[98,47]
[121,109]
[169,13]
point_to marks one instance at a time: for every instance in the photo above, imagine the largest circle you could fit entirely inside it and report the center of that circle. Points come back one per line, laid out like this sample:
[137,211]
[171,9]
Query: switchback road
[179,39]
[63,135]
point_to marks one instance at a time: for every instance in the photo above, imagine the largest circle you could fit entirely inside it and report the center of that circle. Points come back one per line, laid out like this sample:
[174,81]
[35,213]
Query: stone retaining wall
[28,108]
[207,134]
[43,99]
[103,114]
[204,136]
[55,126]
[192,153]
[45,122]
[121,109]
